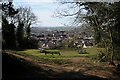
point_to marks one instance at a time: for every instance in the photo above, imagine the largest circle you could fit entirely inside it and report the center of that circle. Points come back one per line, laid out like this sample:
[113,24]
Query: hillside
[27,65]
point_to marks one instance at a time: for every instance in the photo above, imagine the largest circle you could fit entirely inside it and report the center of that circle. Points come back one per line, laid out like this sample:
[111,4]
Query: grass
[94,51]
[79,63]
[65,55]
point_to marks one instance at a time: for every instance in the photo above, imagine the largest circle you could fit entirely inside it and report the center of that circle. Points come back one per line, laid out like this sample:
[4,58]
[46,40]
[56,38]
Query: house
[84,46]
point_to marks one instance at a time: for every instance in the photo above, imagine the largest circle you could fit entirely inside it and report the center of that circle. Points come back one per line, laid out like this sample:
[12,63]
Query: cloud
[40,0]
[43,9]
[36,1]
[47,20]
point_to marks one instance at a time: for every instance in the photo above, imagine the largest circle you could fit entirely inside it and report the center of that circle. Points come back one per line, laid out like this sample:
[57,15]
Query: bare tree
[76,11]
[27,17]
[98,15]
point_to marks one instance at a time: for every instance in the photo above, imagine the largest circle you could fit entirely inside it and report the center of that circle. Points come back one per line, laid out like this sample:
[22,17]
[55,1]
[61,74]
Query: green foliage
[69,43]
[25,19]
[12,36]
[28,30]
[20,35]
[8,27]
[5,32]
[8,34]
[17,36]
[104,19]
[102,57]
[32,43]
[81,51]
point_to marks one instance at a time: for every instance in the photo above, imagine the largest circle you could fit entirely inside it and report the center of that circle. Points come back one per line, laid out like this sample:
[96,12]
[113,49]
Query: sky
[44,10]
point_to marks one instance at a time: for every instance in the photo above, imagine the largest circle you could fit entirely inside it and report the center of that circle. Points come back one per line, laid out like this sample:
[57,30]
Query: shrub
[83,52]
[102,57]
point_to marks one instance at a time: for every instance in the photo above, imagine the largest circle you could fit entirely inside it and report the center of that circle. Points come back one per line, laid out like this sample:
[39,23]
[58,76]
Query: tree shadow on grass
[18,69]
[78,76]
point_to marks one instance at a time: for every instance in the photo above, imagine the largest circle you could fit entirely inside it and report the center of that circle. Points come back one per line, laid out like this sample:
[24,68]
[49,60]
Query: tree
[105,21]
[5,32]
[27,18]
[8,27]
[23,19]
[20,35]
[103,17]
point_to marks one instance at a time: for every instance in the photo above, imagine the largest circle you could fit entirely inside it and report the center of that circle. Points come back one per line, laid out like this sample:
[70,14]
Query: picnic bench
[49,51]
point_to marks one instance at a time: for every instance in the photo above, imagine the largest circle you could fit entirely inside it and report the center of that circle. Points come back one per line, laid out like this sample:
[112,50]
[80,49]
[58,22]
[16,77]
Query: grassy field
[70,64]
[65,55]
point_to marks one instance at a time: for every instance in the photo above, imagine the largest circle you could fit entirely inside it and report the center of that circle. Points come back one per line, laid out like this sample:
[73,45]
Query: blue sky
[44,10]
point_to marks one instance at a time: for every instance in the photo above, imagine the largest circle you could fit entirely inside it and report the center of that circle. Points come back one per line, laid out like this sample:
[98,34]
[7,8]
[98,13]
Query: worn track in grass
[78,68]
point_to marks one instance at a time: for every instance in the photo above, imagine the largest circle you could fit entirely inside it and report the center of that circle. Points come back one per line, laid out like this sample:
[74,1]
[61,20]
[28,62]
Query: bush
[32,43]
[83,52]
[102,57]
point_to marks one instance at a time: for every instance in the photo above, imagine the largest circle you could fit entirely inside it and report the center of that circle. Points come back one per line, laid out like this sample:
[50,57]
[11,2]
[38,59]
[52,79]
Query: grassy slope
[16,68]
[65,55]
[82,60]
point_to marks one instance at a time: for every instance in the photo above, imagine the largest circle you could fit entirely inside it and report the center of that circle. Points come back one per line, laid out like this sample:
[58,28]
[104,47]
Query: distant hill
[38,30]
[61,28]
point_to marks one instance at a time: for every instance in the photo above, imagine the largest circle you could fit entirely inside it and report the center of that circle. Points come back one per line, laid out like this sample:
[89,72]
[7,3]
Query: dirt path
[80,67]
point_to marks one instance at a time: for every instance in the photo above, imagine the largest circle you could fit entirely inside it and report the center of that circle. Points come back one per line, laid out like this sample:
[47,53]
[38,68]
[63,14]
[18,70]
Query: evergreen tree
[20,35]
[5,32]
[8,27]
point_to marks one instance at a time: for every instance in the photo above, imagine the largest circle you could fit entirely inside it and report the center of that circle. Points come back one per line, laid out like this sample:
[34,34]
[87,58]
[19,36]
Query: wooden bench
[51,52]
